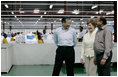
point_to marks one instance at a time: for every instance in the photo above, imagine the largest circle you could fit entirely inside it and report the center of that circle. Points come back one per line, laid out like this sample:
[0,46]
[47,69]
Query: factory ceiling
[42,13]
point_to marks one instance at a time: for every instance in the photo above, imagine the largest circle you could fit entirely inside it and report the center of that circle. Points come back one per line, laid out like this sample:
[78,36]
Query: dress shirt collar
[102,28]
[65,29]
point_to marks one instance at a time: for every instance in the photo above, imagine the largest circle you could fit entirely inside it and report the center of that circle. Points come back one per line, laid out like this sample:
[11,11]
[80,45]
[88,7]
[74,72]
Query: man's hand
[103,61]
[82,61]
[95,61]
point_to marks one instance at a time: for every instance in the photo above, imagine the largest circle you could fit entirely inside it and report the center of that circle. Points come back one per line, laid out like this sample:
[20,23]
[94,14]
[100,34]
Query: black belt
[101,53]
[66,46]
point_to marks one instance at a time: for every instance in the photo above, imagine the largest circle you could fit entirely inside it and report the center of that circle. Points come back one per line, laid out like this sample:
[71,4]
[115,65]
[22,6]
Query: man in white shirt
[44,36]
[81,34]
[17,38]
[65,39]
[23,37]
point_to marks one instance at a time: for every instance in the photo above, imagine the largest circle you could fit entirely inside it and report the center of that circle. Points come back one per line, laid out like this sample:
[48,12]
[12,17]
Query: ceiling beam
[60,15]
[59,4]
[50,11]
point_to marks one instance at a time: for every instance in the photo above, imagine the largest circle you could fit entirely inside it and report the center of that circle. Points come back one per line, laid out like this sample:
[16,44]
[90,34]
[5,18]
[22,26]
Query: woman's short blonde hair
[92,21]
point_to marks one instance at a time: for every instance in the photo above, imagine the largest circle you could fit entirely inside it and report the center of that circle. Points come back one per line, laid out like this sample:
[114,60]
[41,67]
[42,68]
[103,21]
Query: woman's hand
[82,61]
[94,61]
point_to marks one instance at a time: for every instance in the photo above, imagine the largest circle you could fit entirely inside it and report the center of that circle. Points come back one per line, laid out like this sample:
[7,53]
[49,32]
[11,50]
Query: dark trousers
[105,69]
[67,54]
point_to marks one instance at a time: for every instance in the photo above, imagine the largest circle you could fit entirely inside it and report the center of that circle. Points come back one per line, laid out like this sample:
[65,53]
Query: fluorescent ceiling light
[112,12]
[20,21]
[92,16]
[108,13]
[94,6]
[36,23]
[44,12]
[51,6]
[76,11]
[61,11]
[81,19]
[6,6]
[21,10]
[5,22]
[36,10]
[15,16]
[100,11]
[97,12]
[12,12]
[82,22]
[41,16]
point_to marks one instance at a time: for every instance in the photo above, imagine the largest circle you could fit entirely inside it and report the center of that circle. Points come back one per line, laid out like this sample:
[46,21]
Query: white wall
[36,54]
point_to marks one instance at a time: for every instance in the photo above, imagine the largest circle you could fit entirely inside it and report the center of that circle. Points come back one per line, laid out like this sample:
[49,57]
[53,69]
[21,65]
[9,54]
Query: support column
[10,27]
[115,21]
[65,8]
[3,26]
[51,27]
